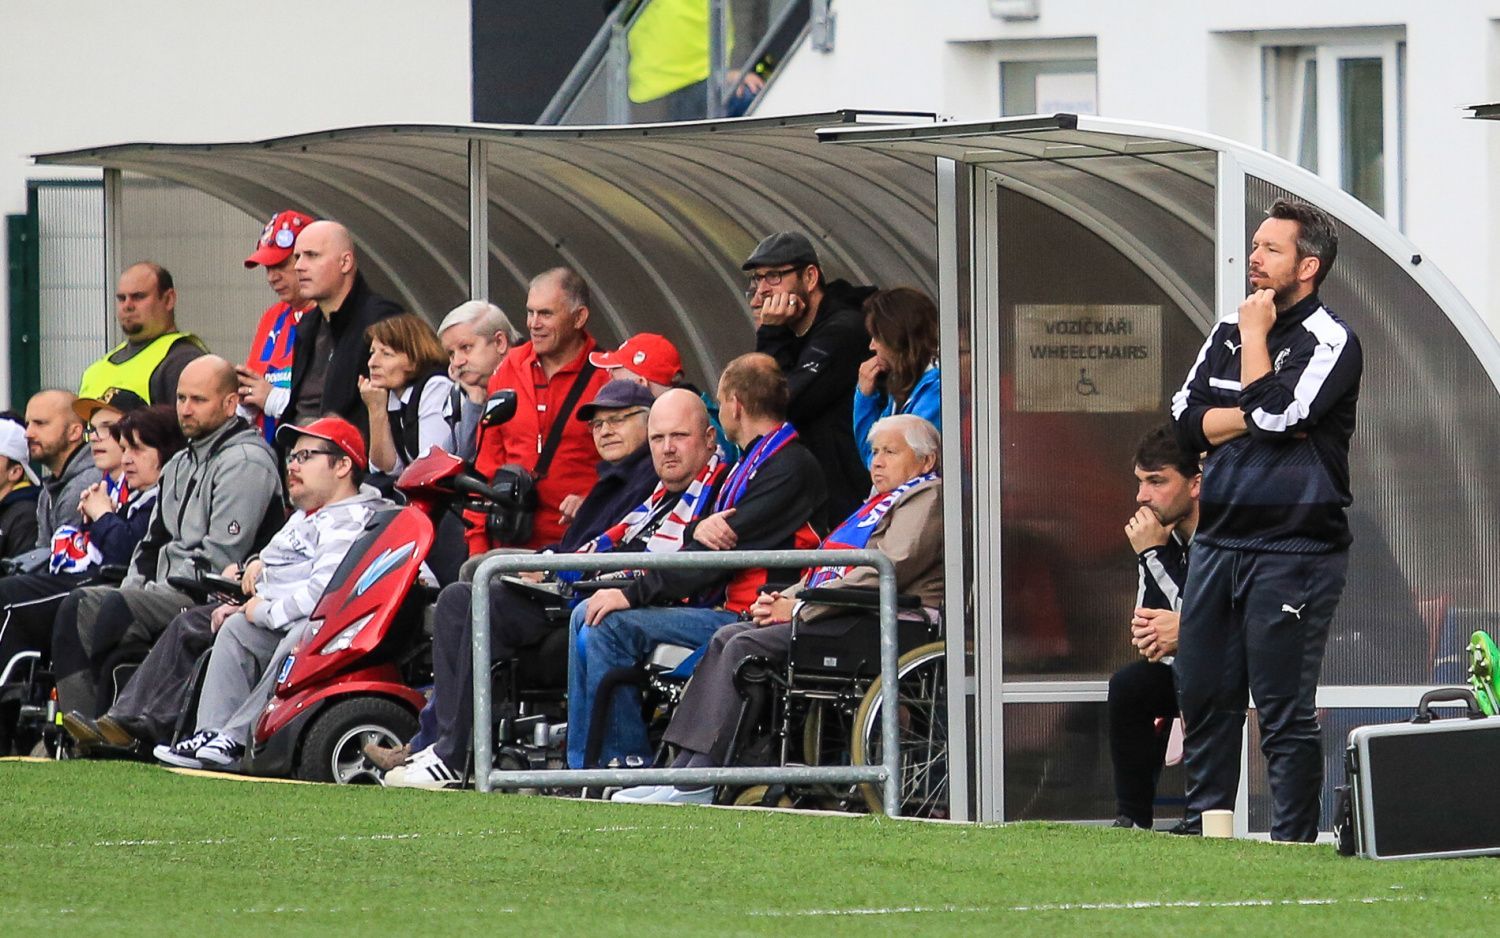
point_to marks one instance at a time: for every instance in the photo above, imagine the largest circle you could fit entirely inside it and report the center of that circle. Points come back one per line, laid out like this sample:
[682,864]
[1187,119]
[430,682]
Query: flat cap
[781,248]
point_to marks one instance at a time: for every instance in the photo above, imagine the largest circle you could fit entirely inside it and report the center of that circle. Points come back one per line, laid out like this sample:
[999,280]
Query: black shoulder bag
[509,521]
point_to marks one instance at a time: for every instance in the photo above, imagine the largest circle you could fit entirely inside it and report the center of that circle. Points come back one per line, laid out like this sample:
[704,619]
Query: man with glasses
[519,618]
[815,329]
[217,495]
[325,471]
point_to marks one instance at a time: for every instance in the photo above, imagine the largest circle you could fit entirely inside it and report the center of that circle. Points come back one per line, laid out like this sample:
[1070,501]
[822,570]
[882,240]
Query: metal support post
[479,220]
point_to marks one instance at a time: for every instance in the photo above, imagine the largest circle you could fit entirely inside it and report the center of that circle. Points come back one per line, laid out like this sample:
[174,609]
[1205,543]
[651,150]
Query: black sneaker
[221,751]
[1128,824]
[1186,828]
[183,754]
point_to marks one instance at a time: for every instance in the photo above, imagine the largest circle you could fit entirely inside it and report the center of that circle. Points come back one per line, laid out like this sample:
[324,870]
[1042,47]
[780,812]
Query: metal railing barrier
[887,773]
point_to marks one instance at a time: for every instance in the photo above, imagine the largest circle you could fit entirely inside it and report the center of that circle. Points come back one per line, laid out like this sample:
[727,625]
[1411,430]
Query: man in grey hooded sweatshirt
[217,496]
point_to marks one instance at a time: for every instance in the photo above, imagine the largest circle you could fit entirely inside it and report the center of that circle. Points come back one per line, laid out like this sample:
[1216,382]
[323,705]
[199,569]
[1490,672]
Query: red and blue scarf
[854,533]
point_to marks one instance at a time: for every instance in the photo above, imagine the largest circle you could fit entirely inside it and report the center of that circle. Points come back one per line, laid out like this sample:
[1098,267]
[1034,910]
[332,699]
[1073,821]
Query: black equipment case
[1426,788]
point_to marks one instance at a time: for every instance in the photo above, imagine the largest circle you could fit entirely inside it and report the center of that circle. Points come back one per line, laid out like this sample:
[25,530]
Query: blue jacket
[925,400]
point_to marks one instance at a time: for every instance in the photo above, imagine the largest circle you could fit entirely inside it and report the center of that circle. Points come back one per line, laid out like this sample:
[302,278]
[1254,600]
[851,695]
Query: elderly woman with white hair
[476,335]
[903,519]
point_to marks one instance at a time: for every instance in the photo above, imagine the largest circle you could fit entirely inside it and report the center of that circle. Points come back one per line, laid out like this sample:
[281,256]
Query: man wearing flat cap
[815,329]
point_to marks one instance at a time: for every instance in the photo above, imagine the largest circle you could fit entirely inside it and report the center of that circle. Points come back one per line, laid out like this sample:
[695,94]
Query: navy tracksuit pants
[1256,623]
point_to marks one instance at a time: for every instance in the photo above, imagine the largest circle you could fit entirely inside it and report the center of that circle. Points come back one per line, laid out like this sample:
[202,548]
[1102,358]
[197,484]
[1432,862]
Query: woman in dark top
[406,392]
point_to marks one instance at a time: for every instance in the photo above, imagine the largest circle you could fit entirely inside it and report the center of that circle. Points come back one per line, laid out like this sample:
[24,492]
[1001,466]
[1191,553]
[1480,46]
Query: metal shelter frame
[658,218]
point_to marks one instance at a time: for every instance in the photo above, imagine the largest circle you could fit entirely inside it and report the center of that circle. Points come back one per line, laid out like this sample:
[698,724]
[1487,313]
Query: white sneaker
[637,793]
[671,794]
[423,769]
[221,751]
[184,753]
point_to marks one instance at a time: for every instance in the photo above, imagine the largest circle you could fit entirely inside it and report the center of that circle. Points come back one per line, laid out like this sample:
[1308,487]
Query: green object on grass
[1484,657]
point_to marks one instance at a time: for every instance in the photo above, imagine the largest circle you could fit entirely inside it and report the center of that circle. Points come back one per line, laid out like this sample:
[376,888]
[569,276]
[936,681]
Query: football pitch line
[342,838]
[1081,907]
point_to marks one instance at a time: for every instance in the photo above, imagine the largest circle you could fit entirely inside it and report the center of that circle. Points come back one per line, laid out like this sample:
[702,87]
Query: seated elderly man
[519,618]
[902,520]
[764,504]
[324,474]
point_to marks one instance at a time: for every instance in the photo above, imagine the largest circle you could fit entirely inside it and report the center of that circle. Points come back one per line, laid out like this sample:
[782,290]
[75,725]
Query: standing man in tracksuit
[1272,399]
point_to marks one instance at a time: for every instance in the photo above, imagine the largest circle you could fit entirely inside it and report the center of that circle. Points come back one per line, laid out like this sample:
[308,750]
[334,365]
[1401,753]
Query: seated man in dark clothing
[518,617]
[1143,695]
[903,519]
[764,503]
[815,329]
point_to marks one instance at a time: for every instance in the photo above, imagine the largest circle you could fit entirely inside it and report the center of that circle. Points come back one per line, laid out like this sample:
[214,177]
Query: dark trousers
[28,604]
[155,695]
[516,621]
[1140,694]
[1256,624]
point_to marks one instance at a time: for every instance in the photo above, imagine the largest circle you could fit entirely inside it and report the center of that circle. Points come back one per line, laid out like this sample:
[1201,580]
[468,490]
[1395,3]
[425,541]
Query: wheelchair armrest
[112,573]
[855,597]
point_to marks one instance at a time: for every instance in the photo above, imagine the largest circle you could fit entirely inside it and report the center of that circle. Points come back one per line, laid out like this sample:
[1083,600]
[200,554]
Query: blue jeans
[622,640]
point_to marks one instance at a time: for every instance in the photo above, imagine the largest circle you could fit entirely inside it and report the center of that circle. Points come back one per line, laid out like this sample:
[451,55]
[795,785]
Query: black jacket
[1284,485]
[351,353]
[18,521]
[1163,574]
[619,489]
[822,368]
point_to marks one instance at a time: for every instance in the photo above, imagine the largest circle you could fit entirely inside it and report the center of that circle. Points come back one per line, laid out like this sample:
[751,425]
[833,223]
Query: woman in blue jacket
[902,377]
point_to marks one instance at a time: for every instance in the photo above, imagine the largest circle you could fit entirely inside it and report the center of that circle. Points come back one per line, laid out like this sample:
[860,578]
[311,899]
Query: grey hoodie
[57,505]
[214,496]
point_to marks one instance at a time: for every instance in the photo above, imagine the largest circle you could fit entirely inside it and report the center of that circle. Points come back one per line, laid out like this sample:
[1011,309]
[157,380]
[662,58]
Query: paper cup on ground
[1218,823]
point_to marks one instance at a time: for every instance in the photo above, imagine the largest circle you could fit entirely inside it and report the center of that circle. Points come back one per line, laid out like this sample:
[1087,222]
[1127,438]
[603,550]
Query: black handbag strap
[560,422]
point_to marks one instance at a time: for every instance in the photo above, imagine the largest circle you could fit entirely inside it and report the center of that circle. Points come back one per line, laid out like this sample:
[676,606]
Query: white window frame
[1281,108]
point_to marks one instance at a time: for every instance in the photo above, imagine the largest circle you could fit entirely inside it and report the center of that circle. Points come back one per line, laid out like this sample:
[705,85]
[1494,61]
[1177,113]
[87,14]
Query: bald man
[54,440]
[217,496]
[331,352]
[154,352]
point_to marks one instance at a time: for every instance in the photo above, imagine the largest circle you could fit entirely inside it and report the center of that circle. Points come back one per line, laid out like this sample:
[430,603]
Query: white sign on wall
[1067,93]
[1094,359]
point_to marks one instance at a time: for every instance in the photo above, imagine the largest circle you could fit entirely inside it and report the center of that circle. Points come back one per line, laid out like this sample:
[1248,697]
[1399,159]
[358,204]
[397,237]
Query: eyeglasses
[771,277]
[91,432]
[303,455]
[599,423]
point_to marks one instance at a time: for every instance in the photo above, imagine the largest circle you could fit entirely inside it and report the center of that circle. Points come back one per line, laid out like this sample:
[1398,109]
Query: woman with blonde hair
[406,393]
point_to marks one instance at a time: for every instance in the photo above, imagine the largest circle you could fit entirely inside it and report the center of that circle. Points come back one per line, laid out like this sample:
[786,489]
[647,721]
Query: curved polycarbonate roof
[657,218]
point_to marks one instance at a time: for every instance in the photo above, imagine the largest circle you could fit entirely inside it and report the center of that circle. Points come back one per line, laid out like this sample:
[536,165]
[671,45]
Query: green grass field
[117,848]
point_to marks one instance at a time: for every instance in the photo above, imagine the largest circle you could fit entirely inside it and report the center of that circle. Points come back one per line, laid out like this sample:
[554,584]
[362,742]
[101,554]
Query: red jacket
[520,439]
[271,351]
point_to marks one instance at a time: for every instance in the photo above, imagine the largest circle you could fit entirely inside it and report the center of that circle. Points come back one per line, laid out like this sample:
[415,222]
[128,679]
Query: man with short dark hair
[1142,695]
[150,360]
[815,329]
[764,503]
[216,496]
[1272,399]
[543,375]
[54,438]
[331,353]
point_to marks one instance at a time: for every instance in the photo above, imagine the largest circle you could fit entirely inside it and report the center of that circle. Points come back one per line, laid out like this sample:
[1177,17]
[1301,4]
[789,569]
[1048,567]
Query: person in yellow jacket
[154,353]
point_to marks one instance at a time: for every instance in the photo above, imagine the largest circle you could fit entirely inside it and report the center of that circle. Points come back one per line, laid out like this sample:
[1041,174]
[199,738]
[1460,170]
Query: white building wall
[1196,64]
[76,73]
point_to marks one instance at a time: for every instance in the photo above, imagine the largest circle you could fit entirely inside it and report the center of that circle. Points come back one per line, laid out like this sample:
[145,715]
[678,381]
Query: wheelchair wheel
[755,795]
[922,681]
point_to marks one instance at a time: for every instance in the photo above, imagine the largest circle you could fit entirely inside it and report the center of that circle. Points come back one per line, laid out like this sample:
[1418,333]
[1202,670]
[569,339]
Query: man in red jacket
[542,374]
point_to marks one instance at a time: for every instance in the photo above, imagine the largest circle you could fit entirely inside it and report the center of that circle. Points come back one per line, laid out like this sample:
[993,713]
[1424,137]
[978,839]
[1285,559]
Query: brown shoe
[114,733]
[385,758]
[83,730]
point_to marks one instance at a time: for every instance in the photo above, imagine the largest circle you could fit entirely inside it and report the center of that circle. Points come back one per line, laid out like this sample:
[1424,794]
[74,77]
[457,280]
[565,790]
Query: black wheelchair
[822,706]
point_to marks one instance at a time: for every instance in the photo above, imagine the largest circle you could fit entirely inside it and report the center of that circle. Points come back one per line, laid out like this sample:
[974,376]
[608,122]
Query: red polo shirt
[519,440]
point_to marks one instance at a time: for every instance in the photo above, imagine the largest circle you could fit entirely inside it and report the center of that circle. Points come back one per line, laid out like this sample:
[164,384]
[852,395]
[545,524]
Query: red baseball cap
[647,354]
[277,238]
[336,430]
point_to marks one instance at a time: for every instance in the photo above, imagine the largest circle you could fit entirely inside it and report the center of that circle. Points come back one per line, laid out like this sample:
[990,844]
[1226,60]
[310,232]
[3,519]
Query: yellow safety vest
[668,48]
[133,374]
